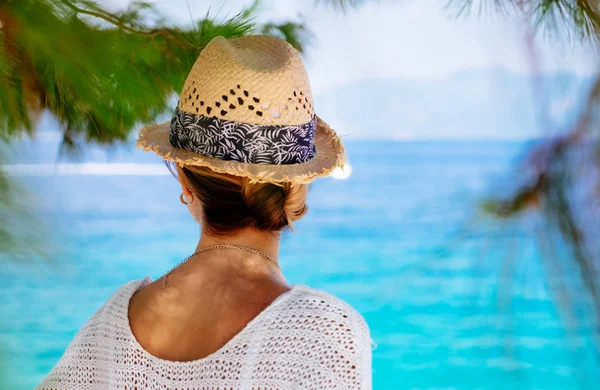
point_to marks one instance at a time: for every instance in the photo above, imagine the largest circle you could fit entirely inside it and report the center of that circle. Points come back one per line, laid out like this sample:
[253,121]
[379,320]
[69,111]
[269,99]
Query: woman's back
[225,317]
[305,339]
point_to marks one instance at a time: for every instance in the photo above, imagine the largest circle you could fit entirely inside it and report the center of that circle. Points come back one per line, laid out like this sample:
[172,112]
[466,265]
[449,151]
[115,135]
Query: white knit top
[305,339]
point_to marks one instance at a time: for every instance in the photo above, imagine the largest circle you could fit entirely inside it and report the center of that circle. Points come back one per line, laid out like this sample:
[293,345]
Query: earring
[182,200]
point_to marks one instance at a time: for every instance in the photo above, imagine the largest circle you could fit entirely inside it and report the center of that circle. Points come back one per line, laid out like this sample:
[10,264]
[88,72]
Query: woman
[244,143]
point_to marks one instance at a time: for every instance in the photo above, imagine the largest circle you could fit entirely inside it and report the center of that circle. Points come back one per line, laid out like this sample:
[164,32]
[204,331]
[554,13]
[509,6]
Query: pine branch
[115,22]
[294,33]
[563,17]
[99,82]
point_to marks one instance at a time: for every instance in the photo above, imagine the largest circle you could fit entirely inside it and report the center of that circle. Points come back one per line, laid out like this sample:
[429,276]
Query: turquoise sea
[453,300]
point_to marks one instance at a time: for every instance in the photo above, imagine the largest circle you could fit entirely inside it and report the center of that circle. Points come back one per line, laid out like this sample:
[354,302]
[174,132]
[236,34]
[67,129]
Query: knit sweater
[305,339]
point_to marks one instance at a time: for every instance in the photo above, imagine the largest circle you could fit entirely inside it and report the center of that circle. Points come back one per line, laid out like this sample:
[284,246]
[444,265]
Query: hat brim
[329,155]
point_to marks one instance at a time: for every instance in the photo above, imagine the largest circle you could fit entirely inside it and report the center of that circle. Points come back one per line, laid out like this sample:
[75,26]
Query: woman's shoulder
[321,300]
[314,308]
[114,309]
[102,329]
[121,296]
[327,333]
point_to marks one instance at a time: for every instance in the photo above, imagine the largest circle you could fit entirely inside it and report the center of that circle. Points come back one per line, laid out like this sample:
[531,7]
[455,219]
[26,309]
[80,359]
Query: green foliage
[100,81]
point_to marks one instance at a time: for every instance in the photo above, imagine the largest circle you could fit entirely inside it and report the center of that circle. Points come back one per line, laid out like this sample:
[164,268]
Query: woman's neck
[267,242]
[227,266]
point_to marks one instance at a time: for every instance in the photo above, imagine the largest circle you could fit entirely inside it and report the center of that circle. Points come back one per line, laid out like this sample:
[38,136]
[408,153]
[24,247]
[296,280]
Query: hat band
[243,142]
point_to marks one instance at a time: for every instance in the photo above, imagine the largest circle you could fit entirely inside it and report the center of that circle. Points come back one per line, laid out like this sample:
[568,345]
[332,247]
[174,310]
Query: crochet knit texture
[306,339]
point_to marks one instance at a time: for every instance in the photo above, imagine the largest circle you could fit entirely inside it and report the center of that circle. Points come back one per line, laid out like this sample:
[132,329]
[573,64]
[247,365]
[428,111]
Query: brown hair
[230,203]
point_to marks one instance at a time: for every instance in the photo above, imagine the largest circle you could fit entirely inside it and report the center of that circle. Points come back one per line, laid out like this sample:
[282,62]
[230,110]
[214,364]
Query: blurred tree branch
[555,169]
[563,17]
[98,12]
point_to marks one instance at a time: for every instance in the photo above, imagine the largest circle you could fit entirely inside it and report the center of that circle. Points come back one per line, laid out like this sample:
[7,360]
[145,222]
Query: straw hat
[246,109]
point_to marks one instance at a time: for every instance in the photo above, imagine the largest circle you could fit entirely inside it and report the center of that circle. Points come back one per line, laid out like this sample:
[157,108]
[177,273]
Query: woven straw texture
[254,79]
[306,339]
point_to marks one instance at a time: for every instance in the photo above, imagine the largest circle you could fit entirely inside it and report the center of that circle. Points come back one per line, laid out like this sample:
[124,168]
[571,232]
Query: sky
[399,39]
[441,66]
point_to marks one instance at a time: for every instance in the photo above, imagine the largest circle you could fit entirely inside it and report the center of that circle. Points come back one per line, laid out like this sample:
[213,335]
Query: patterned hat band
[243,142]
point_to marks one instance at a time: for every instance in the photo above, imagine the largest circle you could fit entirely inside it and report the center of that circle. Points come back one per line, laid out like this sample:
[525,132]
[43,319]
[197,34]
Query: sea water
[454,299]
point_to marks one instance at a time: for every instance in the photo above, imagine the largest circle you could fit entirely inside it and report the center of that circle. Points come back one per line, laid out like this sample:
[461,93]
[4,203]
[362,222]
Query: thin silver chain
[222,246]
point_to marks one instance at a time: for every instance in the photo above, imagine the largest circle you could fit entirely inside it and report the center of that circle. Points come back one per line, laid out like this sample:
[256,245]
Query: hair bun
[232,202]
[275,207]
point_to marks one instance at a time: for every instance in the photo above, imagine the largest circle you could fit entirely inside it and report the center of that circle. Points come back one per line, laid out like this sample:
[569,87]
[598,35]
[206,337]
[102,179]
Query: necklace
[221,246]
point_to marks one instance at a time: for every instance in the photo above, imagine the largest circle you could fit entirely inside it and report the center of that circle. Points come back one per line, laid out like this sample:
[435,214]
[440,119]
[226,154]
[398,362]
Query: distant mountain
[480,104]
